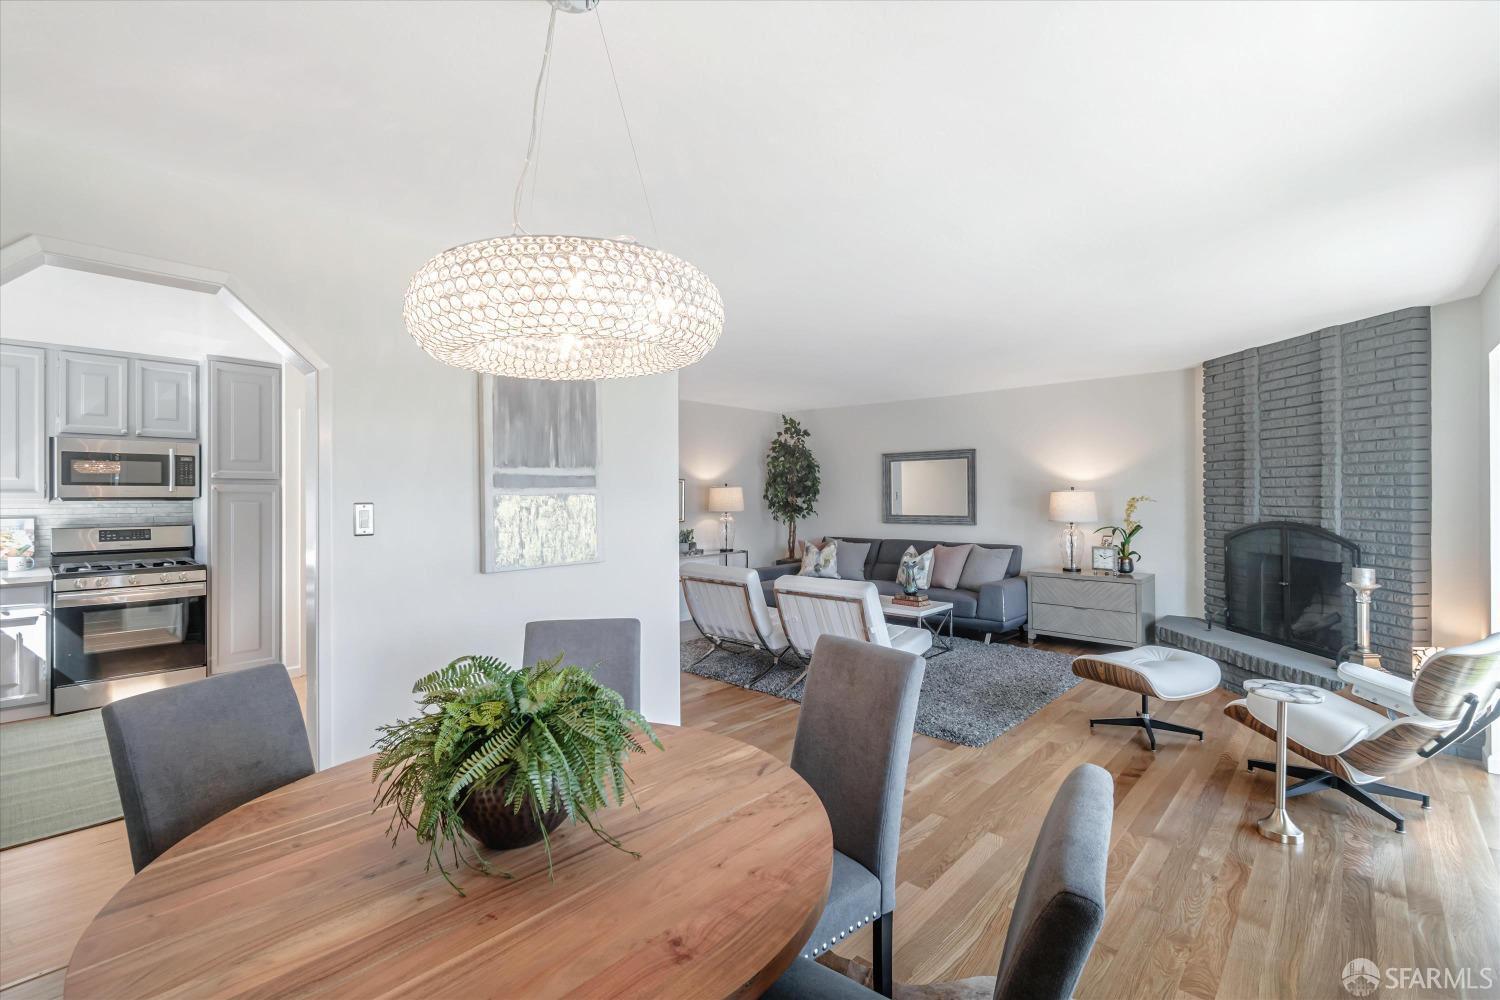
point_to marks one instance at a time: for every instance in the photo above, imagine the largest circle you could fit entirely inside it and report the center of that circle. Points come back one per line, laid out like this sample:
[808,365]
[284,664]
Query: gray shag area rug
[969,696]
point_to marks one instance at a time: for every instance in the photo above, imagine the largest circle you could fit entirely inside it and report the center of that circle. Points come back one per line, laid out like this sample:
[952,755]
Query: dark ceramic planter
[491,822]
[1126,567]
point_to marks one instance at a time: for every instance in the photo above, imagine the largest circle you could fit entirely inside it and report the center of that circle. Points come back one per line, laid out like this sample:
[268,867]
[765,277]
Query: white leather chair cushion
[832,620]
[1172,674]
[912,638]
[737,611]
[1384,689]
[1329,728]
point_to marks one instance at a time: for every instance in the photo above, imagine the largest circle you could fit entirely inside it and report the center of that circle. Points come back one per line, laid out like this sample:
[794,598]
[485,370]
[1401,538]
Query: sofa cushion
[965,602]
[916,569]
[985,566]
[822,562]
[853,556]
[948,563]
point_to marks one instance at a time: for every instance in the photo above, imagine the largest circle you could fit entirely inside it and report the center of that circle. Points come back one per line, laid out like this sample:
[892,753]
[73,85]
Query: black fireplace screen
[1285,582]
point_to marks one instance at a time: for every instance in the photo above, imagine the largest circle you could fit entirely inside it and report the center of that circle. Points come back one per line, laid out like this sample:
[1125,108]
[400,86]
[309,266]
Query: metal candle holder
[1363,584]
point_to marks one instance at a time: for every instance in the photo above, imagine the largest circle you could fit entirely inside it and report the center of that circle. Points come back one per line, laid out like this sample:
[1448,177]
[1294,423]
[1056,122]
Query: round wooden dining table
[300,893]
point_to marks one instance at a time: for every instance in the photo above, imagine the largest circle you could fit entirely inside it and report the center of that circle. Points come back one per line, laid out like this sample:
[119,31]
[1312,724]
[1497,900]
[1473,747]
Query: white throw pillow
[822,562]
[916,570]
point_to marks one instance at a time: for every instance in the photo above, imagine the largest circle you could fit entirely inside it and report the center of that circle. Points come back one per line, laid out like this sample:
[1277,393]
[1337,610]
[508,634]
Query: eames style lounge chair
[1453,697]
[814,606]
[729,609]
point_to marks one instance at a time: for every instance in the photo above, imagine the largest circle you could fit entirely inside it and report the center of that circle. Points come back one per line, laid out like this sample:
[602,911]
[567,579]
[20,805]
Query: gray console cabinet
[94,390]
[23,429]
[164,398]
[1092,606]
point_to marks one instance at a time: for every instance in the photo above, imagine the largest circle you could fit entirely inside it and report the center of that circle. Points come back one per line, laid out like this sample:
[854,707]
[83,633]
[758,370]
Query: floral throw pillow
[822,562]
[916,570]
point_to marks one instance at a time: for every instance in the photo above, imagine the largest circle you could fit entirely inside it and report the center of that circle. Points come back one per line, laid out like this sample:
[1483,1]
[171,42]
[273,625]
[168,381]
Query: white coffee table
[932,616]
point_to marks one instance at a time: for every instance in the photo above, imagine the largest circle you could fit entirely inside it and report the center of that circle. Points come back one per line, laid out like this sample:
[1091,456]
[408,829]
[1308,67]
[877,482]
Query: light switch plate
[364,519]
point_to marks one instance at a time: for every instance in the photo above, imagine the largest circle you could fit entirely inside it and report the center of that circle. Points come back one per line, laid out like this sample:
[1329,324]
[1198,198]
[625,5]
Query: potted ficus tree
[792,483]
[502,756]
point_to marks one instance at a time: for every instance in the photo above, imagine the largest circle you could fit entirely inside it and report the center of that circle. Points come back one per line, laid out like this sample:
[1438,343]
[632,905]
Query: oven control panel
[124,534]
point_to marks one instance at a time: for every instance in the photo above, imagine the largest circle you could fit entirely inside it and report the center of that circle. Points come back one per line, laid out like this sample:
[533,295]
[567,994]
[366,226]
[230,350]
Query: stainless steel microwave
[104,468]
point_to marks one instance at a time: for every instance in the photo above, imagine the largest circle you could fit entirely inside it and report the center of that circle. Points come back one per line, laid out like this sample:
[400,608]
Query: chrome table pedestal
[1278,826]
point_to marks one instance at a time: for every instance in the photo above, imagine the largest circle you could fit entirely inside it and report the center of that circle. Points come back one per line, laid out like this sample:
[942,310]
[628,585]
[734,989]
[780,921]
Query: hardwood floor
[1200,906]
[50,890]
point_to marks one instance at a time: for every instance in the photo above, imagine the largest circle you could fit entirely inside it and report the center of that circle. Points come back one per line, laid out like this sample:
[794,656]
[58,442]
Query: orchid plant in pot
[1123,535]
[501,756]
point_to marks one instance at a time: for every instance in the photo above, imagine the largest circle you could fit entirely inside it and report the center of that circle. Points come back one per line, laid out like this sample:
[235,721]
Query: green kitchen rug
[55,776]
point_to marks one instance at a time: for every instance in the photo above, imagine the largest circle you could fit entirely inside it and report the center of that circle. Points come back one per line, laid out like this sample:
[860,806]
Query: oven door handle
[131,595]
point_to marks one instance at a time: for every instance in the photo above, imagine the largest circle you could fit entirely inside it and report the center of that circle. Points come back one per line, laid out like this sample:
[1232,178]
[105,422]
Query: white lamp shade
[1077,506]
[726,499]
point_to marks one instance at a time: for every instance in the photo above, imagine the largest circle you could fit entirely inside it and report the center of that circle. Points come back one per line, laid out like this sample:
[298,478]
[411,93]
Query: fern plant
[550,735]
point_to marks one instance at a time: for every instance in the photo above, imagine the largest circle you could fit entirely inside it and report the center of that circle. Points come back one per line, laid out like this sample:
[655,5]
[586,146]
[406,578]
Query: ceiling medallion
[562,307]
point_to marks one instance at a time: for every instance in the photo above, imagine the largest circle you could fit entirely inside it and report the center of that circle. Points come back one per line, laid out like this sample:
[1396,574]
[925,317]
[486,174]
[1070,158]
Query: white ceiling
[896,199]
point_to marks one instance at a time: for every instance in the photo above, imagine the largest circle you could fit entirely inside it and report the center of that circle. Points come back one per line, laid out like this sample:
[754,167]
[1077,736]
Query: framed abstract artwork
[539,467]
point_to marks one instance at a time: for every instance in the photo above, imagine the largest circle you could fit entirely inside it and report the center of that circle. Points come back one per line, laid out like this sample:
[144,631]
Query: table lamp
[725,501]
[1071,507]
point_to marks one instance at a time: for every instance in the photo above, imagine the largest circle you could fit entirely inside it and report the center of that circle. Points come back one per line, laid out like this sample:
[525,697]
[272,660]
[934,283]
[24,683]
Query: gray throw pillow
[984,566]
[851,559]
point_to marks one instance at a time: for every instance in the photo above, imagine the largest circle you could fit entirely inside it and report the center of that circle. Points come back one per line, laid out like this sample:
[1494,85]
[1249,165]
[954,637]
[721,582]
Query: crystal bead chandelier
[562,307]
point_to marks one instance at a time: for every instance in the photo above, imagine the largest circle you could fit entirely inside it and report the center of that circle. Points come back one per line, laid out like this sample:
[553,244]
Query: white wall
[404,431]
[1460,530]
[1119,437]
[727,444]
[57,305]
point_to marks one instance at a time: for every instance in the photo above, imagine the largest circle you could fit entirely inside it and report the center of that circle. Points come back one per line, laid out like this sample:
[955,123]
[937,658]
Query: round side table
[1278,826]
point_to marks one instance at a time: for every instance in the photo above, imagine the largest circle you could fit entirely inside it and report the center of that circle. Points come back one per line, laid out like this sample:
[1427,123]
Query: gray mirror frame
[912,456]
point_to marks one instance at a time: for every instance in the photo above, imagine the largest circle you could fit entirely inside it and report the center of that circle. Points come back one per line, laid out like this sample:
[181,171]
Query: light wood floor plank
[1197,899]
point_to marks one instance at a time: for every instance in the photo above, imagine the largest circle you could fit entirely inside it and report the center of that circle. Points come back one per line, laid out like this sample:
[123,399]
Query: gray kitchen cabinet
[163,398]
[25,672]
[23,425]
[94,393]
[244,420]
[245,579]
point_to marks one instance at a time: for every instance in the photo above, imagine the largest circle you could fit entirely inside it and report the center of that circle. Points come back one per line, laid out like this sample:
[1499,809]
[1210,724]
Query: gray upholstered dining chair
[188,754]
[1057,914]
[610,647]
[852,744]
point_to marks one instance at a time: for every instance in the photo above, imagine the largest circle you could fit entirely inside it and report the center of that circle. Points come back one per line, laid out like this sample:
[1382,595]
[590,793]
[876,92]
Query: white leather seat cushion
[1172,674]
[1330,728]
[912,638]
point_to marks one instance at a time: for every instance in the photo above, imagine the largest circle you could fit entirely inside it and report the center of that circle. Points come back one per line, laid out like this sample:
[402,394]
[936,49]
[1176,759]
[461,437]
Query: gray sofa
[994,607]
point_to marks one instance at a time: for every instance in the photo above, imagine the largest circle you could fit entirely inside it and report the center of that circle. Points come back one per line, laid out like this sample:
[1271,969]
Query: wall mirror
[928,487]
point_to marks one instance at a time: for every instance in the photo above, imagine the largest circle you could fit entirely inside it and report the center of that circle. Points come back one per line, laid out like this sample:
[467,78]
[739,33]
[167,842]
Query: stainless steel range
[130,613]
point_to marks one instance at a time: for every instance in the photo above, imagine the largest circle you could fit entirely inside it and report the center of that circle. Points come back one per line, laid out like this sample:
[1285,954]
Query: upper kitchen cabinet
[164,398]
[244,420]
[94,393]
[23,426]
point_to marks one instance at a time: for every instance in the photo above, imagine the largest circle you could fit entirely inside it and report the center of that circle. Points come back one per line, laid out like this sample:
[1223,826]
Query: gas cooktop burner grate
[125,566]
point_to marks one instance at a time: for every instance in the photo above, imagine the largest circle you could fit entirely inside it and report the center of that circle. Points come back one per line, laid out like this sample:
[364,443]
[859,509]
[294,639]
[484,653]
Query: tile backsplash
[76,513]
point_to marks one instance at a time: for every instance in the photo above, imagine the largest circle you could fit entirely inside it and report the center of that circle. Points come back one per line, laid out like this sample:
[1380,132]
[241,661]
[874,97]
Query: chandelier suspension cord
[655,236]
[536,106]
[541,141]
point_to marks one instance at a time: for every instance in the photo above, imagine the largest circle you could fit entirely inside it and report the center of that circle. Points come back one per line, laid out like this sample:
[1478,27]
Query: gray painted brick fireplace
[1334,429]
